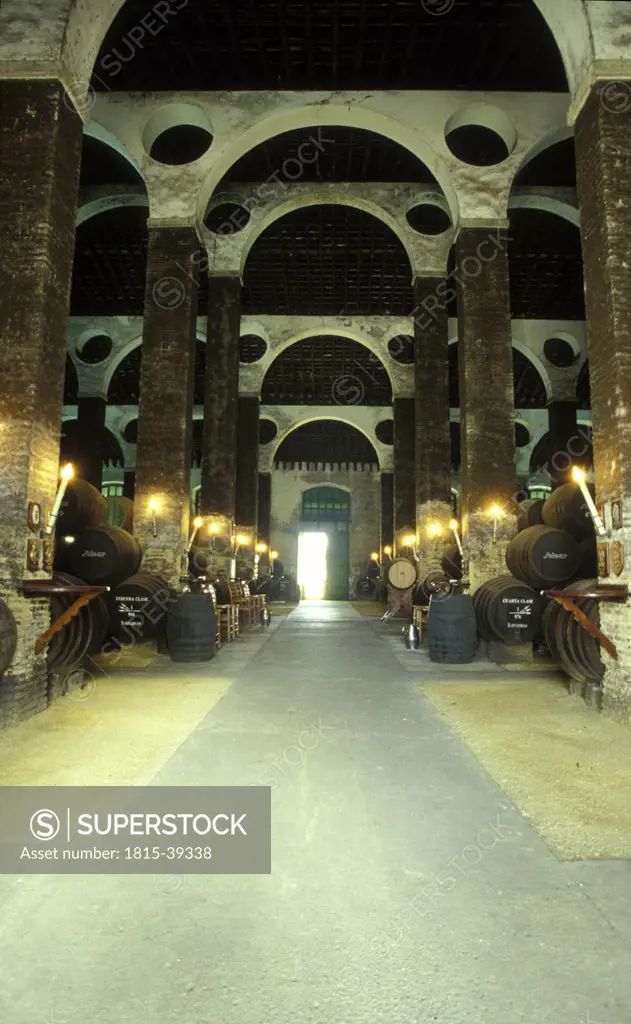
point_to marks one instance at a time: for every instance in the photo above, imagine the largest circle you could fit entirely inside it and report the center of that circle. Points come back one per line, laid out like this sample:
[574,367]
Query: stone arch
[97,131]
[110,201]
[534,359]
[336,115]
[316,332]
[283,208]
[546,204]
[569,24]
[546,142]
[116,361]
[338,417]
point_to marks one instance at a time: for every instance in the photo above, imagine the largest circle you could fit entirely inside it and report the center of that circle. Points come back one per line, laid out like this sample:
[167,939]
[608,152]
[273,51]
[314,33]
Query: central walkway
[404,886]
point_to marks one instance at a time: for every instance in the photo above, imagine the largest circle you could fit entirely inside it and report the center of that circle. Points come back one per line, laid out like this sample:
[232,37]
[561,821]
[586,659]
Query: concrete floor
[405,887]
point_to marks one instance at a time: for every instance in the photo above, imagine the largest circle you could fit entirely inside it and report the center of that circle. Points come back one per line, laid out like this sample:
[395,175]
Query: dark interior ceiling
[331,153]
[327,441]
[327,370]
[555,167]
[102,165]
[328,260]
[331,44]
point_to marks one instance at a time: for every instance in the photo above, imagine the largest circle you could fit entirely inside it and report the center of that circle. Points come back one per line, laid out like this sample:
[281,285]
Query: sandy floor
[566,768]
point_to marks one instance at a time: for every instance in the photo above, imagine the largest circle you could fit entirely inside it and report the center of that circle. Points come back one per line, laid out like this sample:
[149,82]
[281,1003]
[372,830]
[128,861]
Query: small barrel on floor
[452,635]
[192,628]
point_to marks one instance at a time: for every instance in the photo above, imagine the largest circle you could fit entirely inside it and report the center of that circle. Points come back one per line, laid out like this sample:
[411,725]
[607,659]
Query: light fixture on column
[409,542]
[154,506]
[453,526]
[65,477]
[495,512]
[387,551]
[197,524]
[258,551]
[434,530]
[579,477]
[273,555]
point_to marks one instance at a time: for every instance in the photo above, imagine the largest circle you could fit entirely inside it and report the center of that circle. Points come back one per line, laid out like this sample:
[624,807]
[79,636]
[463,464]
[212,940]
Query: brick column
[603,151]
[387,512]
[563,431]
[487,399]
[247,473]
[264,531]
[91,419]
[219,447]
[165,409]
[404,487]
[41,154]
[431,419]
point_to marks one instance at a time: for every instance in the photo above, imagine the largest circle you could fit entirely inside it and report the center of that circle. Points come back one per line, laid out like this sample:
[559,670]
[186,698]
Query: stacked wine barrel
[573,648]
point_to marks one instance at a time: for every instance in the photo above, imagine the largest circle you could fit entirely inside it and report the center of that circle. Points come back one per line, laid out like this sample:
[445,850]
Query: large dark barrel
[138,609]
[452,634]
[451,562]
[68,647]
[575,650]
[82,507]
[529,513]
[589,558]
[543,557]
[191,628]
[566,509]
[120,512]
[104,555]
[8,637]
[507,610]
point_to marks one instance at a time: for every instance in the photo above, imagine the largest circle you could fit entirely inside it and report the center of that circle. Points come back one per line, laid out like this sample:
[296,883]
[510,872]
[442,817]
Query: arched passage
[326,369]
[325,440]
[531,382]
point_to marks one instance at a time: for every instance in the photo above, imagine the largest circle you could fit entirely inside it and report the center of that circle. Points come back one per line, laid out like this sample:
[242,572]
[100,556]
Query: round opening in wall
[428,219]
[178,133]
[560,352]
[95,348]
[522,435]
[267,431]
[480,135]
[227,218]
[251,348]
[401,348]
[130,433]
[384,432]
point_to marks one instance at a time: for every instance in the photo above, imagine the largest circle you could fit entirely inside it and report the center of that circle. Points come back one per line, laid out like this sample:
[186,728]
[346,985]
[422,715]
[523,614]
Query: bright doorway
[312,565]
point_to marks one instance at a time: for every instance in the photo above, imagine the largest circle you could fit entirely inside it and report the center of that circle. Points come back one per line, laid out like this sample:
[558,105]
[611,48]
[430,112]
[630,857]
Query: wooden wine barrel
[68,648]
[191,628]
[452,634]
[104,555]
[8,636]
[435,584]
[529,513]
[120,512]
[138,608]
[401,574]
[508,610]
[566,509]
[575,650]
[543,557]
[451,562]
[199,561]
[83,506]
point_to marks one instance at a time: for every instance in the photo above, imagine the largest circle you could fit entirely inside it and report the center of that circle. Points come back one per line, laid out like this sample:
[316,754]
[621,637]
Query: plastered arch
[338,417]
[316,332]
[532,358]
[109,201]
[546,204]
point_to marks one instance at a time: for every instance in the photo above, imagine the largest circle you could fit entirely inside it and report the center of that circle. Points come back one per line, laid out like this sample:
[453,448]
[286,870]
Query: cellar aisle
[405,887]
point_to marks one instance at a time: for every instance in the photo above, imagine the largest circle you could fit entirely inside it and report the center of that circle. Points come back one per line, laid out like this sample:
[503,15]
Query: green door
[328,509]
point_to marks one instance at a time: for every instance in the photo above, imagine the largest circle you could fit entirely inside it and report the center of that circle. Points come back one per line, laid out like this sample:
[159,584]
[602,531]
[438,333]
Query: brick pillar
[431,419]
[387,512]
[219,446]
[129,484]
[487,399]
[264,531]
[91,419]
[247,473]
[41,153]
[603,151]
[165,410]
[564,438]
[404,487]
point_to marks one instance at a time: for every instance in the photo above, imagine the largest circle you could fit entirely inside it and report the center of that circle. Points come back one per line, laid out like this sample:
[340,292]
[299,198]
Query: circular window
[267,431]
[251,348]
[95,349]
[384,431]
[428,219]
[401,348]
[227,218]
[560,352]
[130,433]
[480,135]
[178,133]
[522,435]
